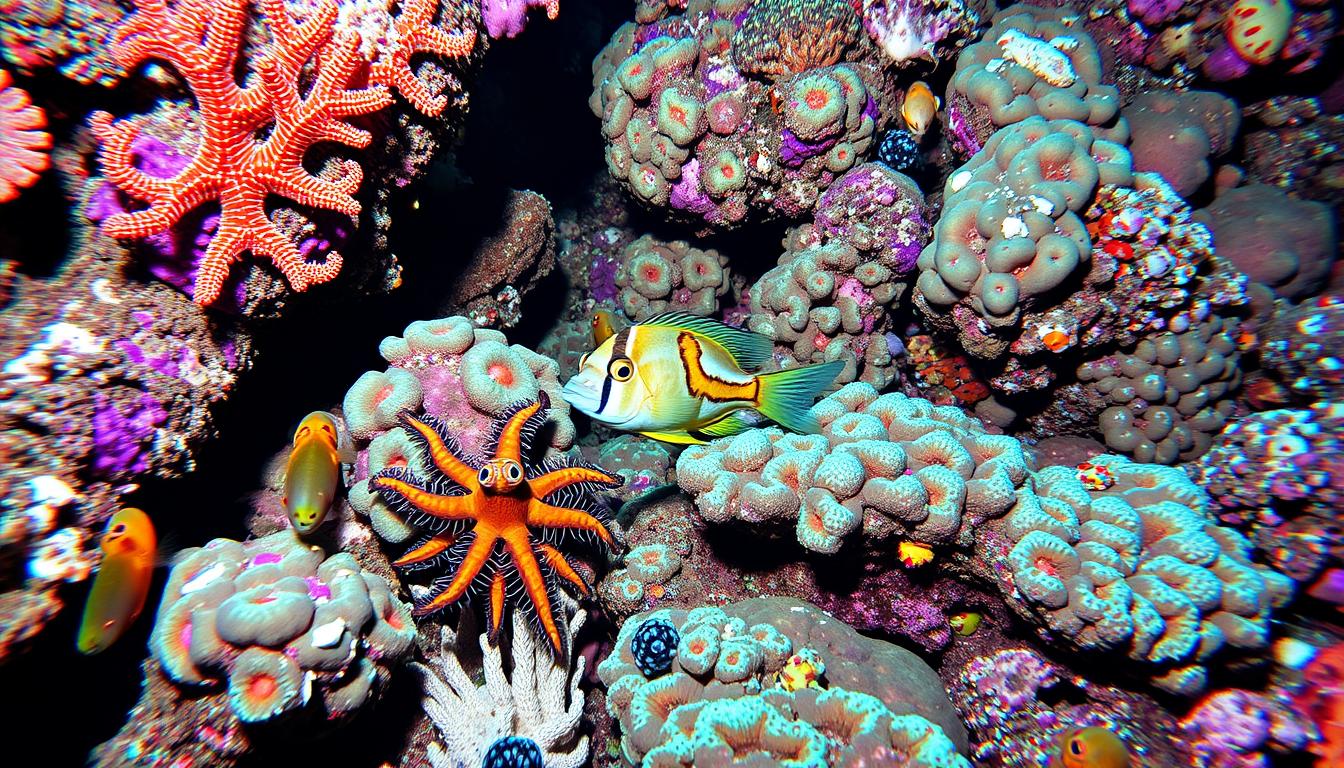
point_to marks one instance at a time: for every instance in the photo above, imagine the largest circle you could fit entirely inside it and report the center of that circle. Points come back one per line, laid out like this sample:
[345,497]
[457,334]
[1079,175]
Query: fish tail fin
[787,396]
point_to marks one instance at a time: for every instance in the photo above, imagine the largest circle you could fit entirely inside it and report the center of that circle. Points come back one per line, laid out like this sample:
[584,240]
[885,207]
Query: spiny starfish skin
[497,519]
[413,32]
[201,40]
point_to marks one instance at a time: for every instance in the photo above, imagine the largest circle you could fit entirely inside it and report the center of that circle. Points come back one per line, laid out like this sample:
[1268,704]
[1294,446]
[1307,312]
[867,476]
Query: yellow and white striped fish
[686,379]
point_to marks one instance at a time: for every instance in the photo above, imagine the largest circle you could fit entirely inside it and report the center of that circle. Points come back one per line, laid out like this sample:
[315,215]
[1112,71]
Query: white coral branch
[538,698]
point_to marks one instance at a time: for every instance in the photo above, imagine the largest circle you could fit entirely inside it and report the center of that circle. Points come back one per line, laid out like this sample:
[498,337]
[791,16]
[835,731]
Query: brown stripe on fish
[700,383]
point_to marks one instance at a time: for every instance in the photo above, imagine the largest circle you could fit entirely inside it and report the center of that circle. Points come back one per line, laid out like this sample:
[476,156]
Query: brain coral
[654,276]
[462,375]
[1284,243]
[882,703]
[263,620]
[830,295]
[1170,395]
[1032,61]
[703,114]
[1011,234]
[1175,134]
[1139,567]
[885,464]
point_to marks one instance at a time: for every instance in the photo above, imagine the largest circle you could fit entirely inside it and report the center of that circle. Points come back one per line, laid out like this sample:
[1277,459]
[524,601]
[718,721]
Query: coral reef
[1233,728]
[537,700]
[830,296]
[68,35]
[654,276]
[1279,475]
[880,701]
[715,117]
[1177,134]
[882,465]
[1031,61]
[1286,244]
[1296,144]
[507,265]
[1302,353]
[1018,707]
[909,30]
[251,632]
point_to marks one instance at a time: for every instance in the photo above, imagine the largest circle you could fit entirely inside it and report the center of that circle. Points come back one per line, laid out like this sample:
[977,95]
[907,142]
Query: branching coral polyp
[235,164]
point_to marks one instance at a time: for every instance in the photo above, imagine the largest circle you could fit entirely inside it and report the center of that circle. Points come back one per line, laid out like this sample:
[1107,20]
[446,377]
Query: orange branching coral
[235,165]
[23,145]
[413,32]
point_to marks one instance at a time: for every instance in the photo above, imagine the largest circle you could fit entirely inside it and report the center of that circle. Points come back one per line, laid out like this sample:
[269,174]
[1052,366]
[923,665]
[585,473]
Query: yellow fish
[1093,747]
[913,555]
[686,379]
[603,326]
[313,472]
[920,108]
[122,583]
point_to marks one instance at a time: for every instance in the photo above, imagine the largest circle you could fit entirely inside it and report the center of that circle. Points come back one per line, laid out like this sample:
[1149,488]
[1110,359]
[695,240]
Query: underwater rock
[508,264]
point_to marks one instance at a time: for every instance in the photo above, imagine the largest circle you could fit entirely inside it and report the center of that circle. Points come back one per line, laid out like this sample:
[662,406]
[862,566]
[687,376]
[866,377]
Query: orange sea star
[253,137]
[412,32]
[496,519]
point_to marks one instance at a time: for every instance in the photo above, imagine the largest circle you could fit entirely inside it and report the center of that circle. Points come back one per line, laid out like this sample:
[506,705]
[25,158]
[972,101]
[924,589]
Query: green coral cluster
[1011,233]
[656,276]
[882,466]
[1141,568]
[720,703]
[275,627]
[1033,61]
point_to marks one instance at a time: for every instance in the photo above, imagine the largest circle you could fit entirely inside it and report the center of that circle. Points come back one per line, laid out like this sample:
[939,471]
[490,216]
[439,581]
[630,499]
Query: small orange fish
[122,582]
[920,108]
[603,326]
[1093,747]
[313,472]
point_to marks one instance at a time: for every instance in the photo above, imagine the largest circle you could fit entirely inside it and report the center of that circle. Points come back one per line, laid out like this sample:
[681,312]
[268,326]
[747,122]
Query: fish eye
[118,529]
[1076,746]
[484,475]
[621,370]
[515,472]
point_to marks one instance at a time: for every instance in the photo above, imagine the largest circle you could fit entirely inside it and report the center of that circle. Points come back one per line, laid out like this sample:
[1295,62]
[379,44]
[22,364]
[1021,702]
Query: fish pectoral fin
[679,438]
[749,350]
[734,423]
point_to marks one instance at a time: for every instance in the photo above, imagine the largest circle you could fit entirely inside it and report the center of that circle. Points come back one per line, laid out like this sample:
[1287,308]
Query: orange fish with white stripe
[686,379]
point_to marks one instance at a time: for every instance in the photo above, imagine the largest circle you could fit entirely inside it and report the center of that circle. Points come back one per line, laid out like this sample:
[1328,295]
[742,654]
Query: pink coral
[23,144]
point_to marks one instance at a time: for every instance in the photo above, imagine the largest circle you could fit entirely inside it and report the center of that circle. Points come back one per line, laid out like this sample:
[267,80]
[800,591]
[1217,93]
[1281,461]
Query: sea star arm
[443,458]
[435,546]
[510,444]
[445,507]
[470,568]
[544,515]
[560,565]
[520,547]
[553,481]
[497,595]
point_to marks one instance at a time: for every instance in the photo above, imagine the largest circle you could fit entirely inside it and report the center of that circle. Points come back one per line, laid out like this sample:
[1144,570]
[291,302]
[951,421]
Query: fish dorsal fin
[749,350]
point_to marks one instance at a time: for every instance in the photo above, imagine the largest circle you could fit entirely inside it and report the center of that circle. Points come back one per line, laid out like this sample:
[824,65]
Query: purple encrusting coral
[121,431]
[888,205]
[1235,728]
[506,18]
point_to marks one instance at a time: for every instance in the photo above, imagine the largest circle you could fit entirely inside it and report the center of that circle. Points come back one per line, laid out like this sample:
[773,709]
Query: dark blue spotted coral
[513,752]
[900,150]
[654,646]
